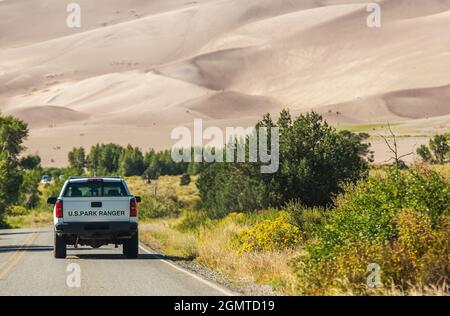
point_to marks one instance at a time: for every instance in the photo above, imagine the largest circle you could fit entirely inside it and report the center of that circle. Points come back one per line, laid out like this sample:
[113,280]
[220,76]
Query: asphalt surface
[27,267]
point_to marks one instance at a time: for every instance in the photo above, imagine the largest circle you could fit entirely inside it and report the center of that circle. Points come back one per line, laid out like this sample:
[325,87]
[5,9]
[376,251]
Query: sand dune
[231,105]
[396,106]
[410,103]
[47,116]
[138,68]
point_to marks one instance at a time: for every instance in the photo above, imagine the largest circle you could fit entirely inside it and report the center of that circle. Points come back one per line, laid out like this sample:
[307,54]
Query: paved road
[27,267]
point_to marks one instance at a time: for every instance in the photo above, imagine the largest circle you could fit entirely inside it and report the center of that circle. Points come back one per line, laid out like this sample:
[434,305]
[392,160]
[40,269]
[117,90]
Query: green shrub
[419,257]
[269,235]
[438,150]
[13,132]
[252,218]
[157,206]
[345,271]
[367,211]
[191,221]
[399,221]
[185,179]
[314,160]
[226,188]
[420,254]
[17,210]
[309,220]
[29,190]
[52,190]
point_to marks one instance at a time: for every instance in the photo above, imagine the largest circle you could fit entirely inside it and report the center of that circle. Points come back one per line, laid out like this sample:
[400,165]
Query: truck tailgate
[102,209]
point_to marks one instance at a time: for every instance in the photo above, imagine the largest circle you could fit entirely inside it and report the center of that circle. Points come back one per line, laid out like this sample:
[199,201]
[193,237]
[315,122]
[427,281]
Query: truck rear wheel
[125,247]
[131,247]
[60,248]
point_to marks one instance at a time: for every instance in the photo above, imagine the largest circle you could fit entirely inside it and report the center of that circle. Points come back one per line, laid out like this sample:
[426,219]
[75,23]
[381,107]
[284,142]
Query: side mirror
[52,200]
[138,199]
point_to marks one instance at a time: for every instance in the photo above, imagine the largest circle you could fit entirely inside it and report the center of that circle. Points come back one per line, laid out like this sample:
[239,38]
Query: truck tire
[125,247]
[131,247]
[60,249]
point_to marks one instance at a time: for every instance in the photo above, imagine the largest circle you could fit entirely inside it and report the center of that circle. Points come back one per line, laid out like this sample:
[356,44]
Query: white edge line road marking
[198,278]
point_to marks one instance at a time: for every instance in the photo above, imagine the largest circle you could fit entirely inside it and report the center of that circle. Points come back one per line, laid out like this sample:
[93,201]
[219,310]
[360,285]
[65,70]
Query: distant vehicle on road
[95,212]
[46,179]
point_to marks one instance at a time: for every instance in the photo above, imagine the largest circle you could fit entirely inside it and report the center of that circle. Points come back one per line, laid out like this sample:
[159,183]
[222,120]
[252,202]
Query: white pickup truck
[95,212]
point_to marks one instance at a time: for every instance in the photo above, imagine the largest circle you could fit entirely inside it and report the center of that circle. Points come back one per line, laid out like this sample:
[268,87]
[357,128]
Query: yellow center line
[14,259]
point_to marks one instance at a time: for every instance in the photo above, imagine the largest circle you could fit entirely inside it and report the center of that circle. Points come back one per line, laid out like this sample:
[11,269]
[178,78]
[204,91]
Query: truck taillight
[133,208]
[59,209]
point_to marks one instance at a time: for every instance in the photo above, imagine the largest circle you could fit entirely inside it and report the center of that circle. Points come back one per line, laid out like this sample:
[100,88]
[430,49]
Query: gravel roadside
[246,287]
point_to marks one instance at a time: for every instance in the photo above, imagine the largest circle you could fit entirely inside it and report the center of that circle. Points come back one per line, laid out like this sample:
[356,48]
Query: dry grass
[271,268]
[166,186]
[159,235]
[443,170]
[210,245]
[442,290]
[33,219]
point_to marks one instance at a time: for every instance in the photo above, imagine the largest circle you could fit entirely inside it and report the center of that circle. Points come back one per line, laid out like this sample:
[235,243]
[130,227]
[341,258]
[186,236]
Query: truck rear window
[95,189]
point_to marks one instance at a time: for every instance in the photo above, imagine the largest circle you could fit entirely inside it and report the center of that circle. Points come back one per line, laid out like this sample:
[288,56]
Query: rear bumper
[98,230]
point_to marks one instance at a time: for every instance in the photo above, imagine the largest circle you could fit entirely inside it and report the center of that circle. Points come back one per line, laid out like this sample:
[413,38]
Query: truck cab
[95,212]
